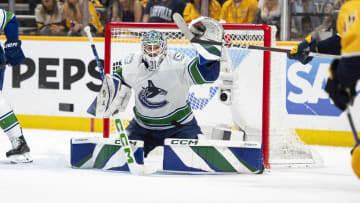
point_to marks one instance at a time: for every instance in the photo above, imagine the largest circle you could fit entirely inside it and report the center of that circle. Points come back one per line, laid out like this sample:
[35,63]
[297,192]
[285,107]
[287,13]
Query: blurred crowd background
[293,19]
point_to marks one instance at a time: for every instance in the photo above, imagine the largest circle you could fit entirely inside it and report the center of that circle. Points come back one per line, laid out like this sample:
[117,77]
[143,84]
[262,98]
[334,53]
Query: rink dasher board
[180,155]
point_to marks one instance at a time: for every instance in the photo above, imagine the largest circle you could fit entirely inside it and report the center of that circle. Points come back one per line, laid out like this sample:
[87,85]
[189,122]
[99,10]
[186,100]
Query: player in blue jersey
[13,55]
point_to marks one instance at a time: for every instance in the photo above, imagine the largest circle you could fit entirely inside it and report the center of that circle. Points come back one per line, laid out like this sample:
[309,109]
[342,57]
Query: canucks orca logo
[150,92]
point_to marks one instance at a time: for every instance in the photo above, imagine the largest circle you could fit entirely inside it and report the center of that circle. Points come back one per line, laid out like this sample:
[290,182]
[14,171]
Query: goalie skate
[20,151]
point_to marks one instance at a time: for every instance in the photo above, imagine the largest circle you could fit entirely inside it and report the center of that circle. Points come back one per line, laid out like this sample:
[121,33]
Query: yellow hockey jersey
[348,26]
[93,19]
[190,13]
[244,13]
[144,2]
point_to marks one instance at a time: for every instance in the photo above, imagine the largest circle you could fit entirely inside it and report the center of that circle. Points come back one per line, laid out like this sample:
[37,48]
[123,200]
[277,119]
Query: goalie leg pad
[105,154]
[212,156]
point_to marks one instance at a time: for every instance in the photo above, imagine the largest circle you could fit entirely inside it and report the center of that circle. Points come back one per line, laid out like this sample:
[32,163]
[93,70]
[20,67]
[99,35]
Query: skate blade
[20,158]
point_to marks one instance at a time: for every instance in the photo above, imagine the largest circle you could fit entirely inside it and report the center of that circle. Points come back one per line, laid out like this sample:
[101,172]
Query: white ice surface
[50,179]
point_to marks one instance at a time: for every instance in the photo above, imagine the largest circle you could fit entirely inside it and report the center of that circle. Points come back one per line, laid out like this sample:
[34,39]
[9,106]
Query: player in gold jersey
[345,71]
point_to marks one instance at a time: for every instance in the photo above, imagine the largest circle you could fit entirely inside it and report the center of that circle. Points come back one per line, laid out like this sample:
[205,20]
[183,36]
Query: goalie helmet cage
[254,34]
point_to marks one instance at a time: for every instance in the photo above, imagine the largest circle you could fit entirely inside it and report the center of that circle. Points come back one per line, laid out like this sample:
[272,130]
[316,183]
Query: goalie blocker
[112,98]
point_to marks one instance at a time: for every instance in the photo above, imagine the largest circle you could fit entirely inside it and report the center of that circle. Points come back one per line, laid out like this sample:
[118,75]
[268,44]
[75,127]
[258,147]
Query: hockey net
[256,97]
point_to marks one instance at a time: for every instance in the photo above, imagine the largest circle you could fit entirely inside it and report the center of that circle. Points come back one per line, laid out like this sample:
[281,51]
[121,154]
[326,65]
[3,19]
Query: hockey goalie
[160,80]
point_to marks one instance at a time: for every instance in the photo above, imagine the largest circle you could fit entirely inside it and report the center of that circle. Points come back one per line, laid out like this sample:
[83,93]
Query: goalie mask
[154,48]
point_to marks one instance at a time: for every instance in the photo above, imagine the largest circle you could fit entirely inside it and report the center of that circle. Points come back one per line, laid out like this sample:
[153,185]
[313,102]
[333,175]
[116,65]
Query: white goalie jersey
[161,95]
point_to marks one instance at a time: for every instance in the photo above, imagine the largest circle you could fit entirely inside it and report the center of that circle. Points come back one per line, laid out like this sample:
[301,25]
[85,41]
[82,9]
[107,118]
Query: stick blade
[142,170]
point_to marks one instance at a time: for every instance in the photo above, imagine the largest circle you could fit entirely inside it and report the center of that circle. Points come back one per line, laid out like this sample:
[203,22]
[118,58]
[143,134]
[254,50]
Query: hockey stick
[98,62]
[178,19]
[353,129]
[134,167]
[92,108]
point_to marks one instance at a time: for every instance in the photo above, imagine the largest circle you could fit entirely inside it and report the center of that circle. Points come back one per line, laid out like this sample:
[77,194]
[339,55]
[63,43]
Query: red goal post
[267,40]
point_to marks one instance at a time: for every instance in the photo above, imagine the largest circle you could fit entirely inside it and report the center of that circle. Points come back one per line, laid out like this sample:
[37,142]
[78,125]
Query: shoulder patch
[178,56]
[129,59]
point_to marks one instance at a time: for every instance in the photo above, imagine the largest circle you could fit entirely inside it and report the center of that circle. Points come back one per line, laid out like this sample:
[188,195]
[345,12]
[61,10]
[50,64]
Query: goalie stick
[178,19]
[92,108]
[98,62]
[134,167]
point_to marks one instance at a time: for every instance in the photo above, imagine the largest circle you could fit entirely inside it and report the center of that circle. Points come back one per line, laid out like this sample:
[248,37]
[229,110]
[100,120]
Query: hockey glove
[113,97]
[300,51]
[209,30]
[341,96]
[13,52]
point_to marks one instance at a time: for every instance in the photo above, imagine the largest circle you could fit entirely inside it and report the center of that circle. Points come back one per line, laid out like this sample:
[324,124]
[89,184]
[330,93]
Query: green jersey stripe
[195,73]
[9,16]
[119,72]
[212,49]
[176,116]
[8,121]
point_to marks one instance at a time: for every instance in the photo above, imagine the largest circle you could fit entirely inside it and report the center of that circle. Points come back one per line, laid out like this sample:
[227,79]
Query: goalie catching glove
[207,29]
[112,97]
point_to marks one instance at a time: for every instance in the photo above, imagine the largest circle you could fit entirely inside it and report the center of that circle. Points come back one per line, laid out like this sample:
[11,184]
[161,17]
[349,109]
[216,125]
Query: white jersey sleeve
[203,71]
